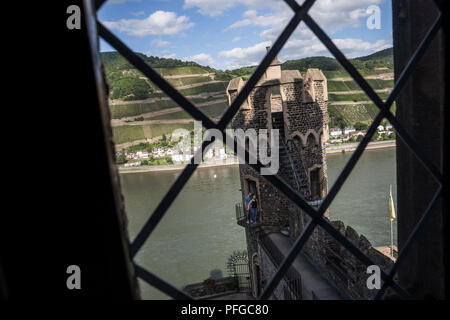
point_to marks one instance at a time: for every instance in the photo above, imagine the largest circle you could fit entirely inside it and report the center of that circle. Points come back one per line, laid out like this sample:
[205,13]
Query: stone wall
[276,103]
[306,117]
[268,269]
[257,116]
[222,286]
[342,267]
[304,106]
[272,204]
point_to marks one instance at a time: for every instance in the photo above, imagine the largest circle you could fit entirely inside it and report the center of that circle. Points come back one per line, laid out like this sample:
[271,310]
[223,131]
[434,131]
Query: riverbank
[176,166]
[329,150]
[348,147]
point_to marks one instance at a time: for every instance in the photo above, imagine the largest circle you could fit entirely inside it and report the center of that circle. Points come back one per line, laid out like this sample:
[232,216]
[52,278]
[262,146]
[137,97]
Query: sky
[228,34]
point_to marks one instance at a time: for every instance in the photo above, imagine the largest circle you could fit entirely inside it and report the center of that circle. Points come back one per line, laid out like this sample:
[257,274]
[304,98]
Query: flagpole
[392,242]
[392,233]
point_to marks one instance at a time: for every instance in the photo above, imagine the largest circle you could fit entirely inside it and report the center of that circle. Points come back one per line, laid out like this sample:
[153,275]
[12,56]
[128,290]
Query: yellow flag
[391,205]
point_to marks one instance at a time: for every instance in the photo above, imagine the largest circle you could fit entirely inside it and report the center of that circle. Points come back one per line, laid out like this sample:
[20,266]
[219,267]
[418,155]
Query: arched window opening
[256,276]
[298,142]
[311,140]
[316,183]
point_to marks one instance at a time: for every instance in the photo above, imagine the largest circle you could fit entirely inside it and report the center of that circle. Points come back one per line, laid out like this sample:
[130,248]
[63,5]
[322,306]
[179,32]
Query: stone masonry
[298,107]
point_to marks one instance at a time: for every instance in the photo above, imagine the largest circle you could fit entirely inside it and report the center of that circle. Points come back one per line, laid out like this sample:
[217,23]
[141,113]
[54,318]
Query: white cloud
[236,39]
[322,10]
[216,7]
[138,13]
[331,15]
[203,59]
[252,19]
[158,23]
[122,1]
[296,49]
[357,47]
[160,43]
[239,57]
[170,56]
[336,15]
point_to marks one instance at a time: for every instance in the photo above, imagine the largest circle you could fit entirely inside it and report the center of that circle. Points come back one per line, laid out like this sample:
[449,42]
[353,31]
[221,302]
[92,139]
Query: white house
[222,153]
[179,157]
[158,152]
[209,154]
[142,155]
[348,130]
[357,133]
[335,132]
[132,164]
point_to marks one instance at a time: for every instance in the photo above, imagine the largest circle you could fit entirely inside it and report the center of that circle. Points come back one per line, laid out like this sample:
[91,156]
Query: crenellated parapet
[297,106]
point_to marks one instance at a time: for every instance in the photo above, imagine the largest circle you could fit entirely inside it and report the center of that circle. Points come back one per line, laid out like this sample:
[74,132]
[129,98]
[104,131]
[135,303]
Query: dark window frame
[317,219]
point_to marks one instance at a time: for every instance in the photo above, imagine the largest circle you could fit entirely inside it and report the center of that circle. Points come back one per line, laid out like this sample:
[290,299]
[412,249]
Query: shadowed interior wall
[420,109]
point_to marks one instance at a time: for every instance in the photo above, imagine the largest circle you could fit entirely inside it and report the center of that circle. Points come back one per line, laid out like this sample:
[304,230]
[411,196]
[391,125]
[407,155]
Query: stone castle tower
[297,107]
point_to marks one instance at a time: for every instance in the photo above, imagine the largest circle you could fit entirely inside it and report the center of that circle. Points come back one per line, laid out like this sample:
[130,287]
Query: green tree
[375,136]
[129,88]
[121,159]
[361,126]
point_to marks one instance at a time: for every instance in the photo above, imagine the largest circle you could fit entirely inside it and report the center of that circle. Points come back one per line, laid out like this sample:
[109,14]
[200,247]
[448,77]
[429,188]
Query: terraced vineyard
[128,133]
[184,70]
[141,111]
[127,110]
[212,111]
[350,85]
[178,82]
[354,113]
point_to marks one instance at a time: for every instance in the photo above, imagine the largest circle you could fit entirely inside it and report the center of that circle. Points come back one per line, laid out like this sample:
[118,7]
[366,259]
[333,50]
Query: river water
[199,231]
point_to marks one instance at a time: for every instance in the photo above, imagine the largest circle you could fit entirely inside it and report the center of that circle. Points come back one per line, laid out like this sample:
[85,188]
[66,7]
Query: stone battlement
[341,266]
[297,107]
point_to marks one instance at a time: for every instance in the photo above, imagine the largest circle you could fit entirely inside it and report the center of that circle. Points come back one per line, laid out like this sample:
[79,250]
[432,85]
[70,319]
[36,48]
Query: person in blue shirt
[253,208]
[247,199]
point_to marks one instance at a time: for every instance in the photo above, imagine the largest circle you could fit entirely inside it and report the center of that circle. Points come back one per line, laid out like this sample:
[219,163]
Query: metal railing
[292,146]
[241,214]
[295,288]
[238,267]
[291,163]
[300,14]
[292,277]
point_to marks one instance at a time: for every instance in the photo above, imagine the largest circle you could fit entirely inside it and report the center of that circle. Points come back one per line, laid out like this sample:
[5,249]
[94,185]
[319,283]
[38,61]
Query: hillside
[347,102]
[141,111]
[379,55]
[113,60]
[126,83]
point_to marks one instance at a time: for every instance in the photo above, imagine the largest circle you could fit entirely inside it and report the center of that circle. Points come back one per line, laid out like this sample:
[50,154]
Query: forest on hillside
[126,83]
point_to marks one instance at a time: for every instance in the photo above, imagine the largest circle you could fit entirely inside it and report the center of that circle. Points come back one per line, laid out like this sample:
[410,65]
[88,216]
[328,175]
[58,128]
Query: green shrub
[121,159]
[360,126]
